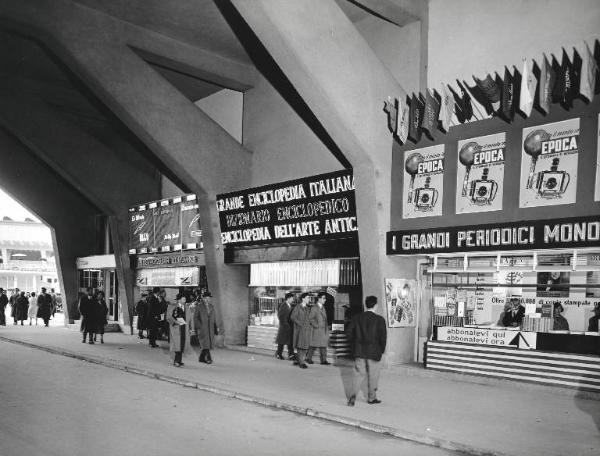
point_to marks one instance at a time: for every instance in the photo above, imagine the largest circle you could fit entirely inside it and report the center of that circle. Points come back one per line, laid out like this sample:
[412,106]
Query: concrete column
[344,84]
[54,201]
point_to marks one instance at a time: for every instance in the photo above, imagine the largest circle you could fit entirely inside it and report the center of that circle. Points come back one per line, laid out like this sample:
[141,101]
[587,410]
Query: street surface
[54,405]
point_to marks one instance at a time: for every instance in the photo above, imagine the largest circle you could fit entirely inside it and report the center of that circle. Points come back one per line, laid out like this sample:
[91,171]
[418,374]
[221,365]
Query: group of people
[94,312]
[304,328]
[27,306]
[192,310]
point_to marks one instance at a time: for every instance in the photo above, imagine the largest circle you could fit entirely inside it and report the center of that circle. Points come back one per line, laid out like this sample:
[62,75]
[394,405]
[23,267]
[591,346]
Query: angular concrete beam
[47,16]
[345,85]
[399,12]
[68,214]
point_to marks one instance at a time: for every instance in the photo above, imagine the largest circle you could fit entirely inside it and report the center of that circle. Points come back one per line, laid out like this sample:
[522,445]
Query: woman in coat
[204,325]
[319,333]
[33,308]
[141,308]
[101,312]
[302,331]
[21,307]
[175,314]
[284,332]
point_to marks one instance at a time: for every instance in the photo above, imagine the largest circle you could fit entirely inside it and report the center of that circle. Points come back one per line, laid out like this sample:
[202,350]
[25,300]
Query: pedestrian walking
[176,320]
[205,327]
[13,304]
[87,307]
[101,313]
[302,330]
[284,332]
[153,313]
[33,309]
[367,335]
[319,331]
[3,304]
[22,304]
[53,301]
[44,306]
[141,308]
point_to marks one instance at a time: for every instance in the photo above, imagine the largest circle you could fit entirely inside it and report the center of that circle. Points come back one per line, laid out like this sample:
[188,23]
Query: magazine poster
[400,297]
[480,174]
[549,155]
[423,182]
[597,188]
[167,226]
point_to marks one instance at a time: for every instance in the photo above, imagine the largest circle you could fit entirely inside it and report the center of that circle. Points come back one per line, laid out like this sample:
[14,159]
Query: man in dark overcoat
[13,304]
[3,304]
[152,316]
[141,308]
[44,306]
[204,324]
[87,307]
[319,330]
[284,332]
[367,335]
[302,330]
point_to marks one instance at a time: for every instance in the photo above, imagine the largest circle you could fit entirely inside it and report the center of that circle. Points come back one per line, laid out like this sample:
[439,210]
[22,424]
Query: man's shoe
[310,361]
[208,361]
[351,401]
[374,401]
[278,356]
[303,366]
[154,345]
[325,363]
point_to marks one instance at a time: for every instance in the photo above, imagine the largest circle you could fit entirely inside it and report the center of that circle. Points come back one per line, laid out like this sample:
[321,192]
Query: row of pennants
[538,85]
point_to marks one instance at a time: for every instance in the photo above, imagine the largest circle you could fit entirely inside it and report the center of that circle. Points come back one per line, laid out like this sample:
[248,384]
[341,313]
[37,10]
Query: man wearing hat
[152,314]
[44,306]
[3,304]
[141,308]
[205,326]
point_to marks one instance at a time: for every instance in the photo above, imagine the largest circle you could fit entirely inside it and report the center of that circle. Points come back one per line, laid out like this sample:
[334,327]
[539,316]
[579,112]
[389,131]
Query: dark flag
[467,107]
[479,100]
[576,65]
[565,82]
[557,88]
[416,119]
[458,107]
[545,85]
[432,112]
[507,111]
[491,92]
[597,60]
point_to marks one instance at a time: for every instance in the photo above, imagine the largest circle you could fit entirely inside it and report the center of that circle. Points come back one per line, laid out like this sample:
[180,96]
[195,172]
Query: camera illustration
[483,191]
[553,183]
[425,197]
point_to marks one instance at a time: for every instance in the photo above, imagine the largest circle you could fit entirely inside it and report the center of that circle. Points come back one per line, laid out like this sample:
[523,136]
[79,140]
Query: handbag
[194,341]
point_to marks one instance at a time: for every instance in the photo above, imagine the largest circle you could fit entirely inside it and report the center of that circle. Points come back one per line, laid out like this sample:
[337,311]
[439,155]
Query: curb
[325,416]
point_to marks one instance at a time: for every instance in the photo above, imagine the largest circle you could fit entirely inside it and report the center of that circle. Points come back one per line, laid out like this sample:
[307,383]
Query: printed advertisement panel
[597,190]
[549,164]
[400,298]
[190,223]
[496,337]
[167,227]
[318,207]
[480,174]
[141,229]
[423,182]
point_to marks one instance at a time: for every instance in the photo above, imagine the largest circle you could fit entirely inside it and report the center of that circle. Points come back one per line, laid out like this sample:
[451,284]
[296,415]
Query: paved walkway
[444,410]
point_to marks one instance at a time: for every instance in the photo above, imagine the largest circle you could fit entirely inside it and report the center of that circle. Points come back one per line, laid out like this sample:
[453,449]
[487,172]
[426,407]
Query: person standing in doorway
[44,306]
[33,308]
[87,305]
[3,304]
[21,308]
[101,315]
[204,324]
[141,308]
[152,315]
[319,333]
[367,335]
[302,331]
[284,332]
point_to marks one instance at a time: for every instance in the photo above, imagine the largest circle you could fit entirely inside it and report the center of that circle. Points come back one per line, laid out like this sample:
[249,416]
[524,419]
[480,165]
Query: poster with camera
[480,174]
[549,164]
[401,302]
[423,182]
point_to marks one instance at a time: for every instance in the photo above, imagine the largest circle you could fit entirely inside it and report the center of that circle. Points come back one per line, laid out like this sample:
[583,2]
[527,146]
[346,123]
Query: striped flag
[416,119]
[431,114]
[446,108]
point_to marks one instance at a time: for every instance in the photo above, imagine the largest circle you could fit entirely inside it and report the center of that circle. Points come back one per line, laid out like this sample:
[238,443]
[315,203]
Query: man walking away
[141,308]
[367,334]
[284,332]
[152,316]
[44,306]
[3,304]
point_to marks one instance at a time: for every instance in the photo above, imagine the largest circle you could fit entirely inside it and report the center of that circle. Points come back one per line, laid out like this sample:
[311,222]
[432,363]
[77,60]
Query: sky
[11,208]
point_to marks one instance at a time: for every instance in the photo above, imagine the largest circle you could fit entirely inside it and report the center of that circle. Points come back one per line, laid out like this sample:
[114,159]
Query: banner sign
[169,260]
[497,337]
[597,190]
[319,207]
[549,164]
[401,302]
[575,232]
[480,174]
[158,226]
[423,182]
[167,277]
